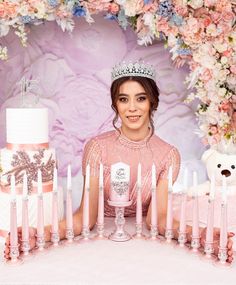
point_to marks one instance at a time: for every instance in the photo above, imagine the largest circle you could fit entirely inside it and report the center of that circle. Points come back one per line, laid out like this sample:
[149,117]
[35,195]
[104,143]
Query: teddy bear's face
[222,165]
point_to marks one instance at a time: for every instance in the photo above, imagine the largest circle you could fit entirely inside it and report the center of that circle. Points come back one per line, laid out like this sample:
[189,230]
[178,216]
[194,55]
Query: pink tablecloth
[107,262]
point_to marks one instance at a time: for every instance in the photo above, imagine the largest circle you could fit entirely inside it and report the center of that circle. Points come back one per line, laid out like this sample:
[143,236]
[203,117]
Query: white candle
[195,182]
[25,186]
[101,197]
[69,177]
[139,213]
[101,176]
[55,180]
[153,176]
[40,185]
[13,187]
[87,177]
[212,187]
[185,180]
[139,176]
[224,190]
[86,198]
[195,228]
[154,200]
[170,179]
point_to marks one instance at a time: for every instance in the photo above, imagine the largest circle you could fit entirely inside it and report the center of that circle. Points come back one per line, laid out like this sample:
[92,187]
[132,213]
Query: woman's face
[133,106]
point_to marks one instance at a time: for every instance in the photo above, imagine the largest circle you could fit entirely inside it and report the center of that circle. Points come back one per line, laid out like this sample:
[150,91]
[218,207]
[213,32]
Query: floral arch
[201,33]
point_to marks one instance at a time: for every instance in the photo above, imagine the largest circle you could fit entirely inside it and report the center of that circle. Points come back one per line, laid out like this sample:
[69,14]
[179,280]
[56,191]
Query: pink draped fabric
[112,147]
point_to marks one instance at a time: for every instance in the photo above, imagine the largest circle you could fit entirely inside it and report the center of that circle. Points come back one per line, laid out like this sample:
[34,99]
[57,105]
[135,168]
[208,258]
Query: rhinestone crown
[133,69]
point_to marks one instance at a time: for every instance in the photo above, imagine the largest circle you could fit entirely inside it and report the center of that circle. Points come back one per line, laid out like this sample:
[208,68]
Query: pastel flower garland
[201,33]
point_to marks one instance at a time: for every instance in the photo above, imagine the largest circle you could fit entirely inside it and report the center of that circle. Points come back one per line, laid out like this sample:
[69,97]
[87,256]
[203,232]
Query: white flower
[195,4]
[41,9]
[132,7]
[222,92]
[212,30]
[220,47]
[23,10]
[4,29]
[224,60]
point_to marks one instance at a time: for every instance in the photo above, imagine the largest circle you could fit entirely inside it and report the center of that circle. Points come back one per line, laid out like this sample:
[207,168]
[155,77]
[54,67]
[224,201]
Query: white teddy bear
[220,165]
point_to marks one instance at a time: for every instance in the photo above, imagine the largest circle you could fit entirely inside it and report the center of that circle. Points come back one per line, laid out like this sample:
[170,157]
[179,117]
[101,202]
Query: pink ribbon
[13,146]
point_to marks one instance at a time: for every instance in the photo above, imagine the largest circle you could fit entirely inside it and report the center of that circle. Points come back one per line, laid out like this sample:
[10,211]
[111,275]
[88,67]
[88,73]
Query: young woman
[135,97]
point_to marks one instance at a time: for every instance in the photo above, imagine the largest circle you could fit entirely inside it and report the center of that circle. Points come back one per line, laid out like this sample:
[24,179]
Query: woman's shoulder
[163,146]
[102,138]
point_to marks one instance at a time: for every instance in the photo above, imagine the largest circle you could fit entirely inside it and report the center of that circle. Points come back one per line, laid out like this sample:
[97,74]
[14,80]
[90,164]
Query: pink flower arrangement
[201,33]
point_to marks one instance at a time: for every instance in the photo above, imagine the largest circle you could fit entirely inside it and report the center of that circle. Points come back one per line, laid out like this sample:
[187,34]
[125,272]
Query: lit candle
[13,215]
[69,177]
[55,184]
[223,223]
[154,200]
[25,217]
[139,213]
[195,229]
[86,198]
[169,219]
[101,197]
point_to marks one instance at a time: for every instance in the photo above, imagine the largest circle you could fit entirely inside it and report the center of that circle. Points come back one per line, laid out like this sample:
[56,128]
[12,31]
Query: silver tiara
[133,69]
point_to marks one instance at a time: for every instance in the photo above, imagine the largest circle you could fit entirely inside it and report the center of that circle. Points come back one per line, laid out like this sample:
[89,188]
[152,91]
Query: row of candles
[169,234]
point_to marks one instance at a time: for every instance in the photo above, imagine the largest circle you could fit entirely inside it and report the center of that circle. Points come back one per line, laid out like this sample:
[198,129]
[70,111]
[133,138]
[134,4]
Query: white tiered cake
[27,150]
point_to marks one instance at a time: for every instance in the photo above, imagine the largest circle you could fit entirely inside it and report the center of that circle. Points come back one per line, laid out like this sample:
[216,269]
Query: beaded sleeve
[91,156]
[173,158]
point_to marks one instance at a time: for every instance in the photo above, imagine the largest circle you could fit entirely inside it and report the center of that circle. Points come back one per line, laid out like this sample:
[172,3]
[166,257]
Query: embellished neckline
[130,143]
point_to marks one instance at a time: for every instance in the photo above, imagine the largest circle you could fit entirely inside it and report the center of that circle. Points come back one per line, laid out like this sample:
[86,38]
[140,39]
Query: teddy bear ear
[207,154]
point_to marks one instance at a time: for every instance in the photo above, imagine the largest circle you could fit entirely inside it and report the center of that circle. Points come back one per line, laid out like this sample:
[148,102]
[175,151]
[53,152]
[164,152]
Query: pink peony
[233,69]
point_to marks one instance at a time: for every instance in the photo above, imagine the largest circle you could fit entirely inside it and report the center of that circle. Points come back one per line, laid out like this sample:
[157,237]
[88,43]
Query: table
[107,262]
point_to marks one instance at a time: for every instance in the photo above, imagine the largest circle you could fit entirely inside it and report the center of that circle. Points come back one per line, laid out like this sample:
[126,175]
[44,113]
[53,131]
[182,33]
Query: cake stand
[119,233]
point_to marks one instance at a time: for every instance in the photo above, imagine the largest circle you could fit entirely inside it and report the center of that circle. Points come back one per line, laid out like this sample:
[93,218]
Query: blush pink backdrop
[74,74]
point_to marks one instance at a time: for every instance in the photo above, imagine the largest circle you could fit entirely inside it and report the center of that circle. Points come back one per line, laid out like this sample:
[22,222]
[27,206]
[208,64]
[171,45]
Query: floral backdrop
[199,32]
[73,68]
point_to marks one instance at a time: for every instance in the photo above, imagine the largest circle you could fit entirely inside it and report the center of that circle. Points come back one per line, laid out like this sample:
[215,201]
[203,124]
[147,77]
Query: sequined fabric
[112,147]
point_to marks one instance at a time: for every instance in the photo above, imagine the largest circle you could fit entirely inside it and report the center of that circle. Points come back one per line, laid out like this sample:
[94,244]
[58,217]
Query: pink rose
[216,17]
[209,3]
[228,16]
[233,69]
[206,75]
[181,10]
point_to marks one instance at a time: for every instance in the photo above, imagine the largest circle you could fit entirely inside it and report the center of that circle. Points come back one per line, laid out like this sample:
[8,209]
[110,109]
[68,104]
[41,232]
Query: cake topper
[29,92]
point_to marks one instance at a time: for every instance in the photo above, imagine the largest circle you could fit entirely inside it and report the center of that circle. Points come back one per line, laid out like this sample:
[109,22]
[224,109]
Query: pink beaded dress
[112,147]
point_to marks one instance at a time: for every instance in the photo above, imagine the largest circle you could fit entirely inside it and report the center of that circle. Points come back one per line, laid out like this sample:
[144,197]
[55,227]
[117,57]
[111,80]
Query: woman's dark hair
[148,85]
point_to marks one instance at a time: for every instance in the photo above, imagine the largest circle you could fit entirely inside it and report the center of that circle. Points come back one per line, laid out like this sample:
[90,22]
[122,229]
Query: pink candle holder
[100,232]
[119,234]
[195,244]
[209,250]
[14,256]
[70,235]
[139,231]
[182,239]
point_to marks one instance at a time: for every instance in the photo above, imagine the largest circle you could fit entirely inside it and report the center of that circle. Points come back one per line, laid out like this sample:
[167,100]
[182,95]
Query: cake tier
[27,125]
[18,162]
[32,208]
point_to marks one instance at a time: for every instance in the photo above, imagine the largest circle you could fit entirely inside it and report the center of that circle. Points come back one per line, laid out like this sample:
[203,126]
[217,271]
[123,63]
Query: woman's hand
[216,243]
[32,241]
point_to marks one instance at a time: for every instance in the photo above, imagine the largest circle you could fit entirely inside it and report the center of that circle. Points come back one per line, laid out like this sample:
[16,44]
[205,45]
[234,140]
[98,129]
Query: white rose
[41,10]
[195,4]
[224,60]
[222,92]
